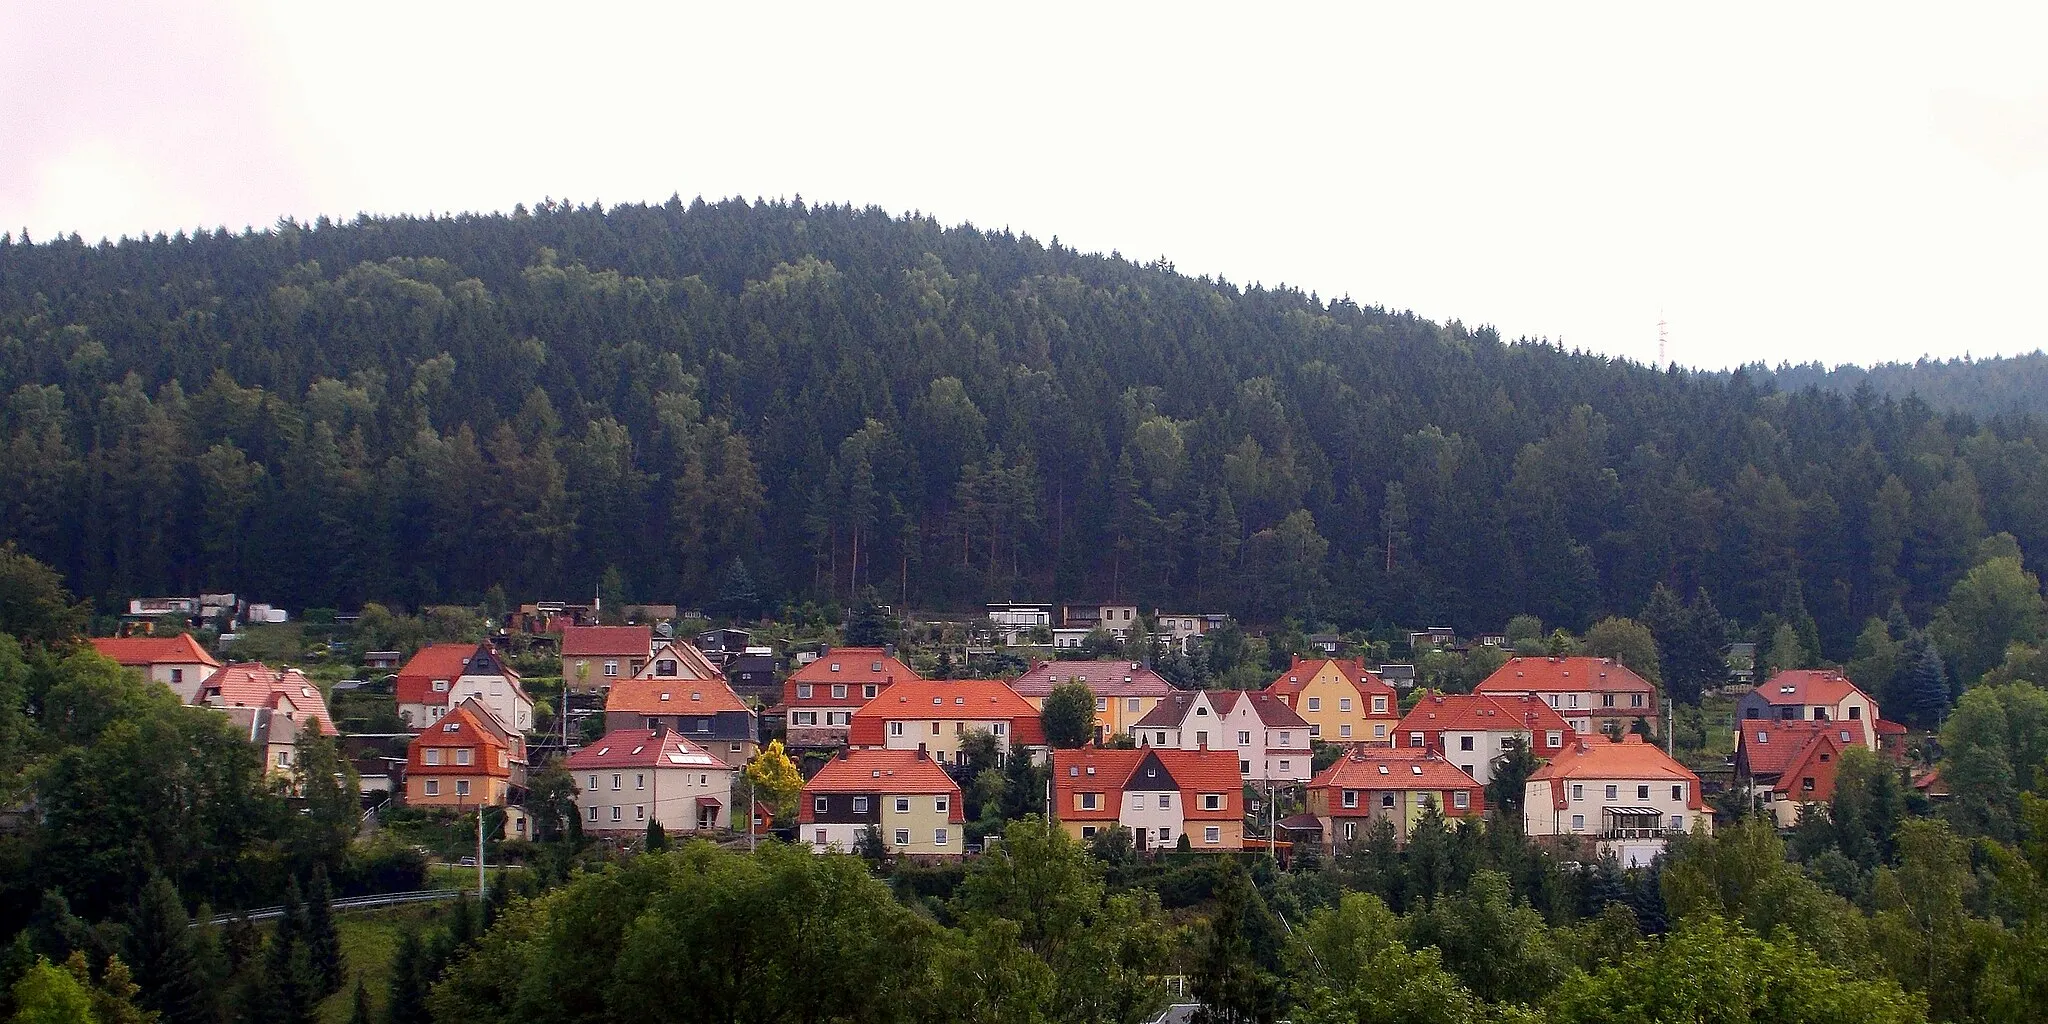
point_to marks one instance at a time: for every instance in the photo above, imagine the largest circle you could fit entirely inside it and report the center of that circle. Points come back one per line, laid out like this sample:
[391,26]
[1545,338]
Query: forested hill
[416,410]
[1999,386]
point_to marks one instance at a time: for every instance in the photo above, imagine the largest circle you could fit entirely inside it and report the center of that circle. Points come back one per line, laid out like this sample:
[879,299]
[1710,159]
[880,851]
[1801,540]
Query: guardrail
[389,899]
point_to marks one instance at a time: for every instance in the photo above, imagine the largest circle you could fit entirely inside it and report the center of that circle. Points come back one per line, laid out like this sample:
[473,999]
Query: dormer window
[803,691]
[835,666]
[440,686]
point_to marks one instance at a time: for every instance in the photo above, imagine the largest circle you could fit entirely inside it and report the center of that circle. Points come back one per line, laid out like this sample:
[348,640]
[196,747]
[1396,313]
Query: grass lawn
[369,940]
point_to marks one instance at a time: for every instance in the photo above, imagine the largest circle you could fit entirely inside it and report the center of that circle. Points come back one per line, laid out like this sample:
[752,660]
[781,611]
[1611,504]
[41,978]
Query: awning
[708,801]
[1633,812]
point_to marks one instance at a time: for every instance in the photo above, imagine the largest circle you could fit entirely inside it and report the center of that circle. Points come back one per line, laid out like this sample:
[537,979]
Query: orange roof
[1597,757]
[460,727]
[973,700]
[1104,679]
[883,772]
[690,662]
[851,667]
[1399,768]
[607,641]
[1805,686]
[1111,771]
[252,684]
[1479,712]
[1353,670]
[1770,746]
[445,662]
[144,651]
[1819,760]
[1559,675]
[673,697]
[645,748]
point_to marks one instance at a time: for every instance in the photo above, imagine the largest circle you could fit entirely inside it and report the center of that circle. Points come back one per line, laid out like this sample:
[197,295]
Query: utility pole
[480,853]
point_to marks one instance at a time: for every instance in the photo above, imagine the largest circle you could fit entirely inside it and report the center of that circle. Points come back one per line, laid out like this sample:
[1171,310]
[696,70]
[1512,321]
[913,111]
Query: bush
[1191,884]
[383,866]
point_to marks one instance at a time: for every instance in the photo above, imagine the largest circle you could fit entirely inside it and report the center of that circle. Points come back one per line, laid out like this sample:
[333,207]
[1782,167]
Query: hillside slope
[419,409]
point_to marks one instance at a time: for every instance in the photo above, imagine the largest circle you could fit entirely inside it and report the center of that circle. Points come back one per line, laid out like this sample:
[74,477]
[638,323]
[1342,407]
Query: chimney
[660,728]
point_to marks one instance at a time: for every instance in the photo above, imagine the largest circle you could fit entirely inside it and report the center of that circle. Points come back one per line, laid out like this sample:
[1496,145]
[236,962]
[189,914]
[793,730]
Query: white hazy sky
[1844,183]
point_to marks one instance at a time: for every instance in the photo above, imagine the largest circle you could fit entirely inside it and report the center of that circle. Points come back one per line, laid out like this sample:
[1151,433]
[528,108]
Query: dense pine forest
[829,399]
[1998,386]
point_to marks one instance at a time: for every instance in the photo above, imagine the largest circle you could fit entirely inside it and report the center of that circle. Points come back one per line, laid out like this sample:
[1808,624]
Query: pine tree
[1927,694]
[359,1006]
[1229,983]
[657,837]
[322,939]
[406,1001]
[166,967]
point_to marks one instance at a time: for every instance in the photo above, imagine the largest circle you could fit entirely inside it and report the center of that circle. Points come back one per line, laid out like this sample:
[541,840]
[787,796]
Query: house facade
[1118,619]
[819,699]
[1013,622]
[594,657]
[1392,784]
[937,715]
[443,675]
[270,707]
[1342,701]
[1593,694]
[1475,731]
[1786,763]
[632,776]
[705,711]
[1157,794]
[902,794]
[175,661]
[461,761]
[1811,695]
[1125,691]
[1270,740]
[1626,795]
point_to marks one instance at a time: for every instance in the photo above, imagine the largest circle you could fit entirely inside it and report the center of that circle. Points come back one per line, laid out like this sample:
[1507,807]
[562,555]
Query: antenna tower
[1661,338]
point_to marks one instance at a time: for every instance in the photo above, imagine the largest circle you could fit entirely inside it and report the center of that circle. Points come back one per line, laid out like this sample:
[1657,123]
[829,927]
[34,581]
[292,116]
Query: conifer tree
[322,938]
[359,1006]
[406,1000]
[657,837]
[167,970]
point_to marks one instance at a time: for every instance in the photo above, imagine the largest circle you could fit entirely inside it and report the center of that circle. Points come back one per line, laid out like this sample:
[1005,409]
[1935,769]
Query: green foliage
[1230,981]
[1628,642]
[35,608]
[48,994]
[1995,605]
[871,624]
[1068,716]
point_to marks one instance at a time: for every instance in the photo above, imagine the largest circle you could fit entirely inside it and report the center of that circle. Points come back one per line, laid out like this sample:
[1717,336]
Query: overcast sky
[1804,182]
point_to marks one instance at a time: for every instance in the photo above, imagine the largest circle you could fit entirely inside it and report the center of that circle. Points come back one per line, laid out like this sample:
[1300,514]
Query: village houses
[1392,784]
[704,710]
[175,661]
[598,656]
[1270,740]
[271,708]
[1125,691]
[632,776]
[443,675]
[938,715]
[1785,763]
[1593,694]
[463,761]
[819,699]
[910,802]
[1625,794]
[1812,695]
[1161,796]
[1475,730]
[1342,701]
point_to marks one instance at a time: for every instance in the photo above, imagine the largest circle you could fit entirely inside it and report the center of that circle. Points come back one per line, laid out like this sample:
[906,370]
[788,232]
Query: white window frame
[1212,835]
[433,787]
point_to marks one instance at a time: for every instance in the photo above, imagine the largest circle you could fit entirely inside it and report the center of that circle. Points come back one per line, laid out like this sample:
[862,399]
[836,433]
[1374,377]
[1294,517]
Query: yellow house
[1342,701]
[1125,691]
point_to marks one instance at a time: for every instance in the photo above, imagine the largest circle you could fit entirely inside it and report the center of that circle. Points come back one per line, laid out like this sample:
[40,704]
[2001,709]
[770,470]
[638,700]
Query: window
[1379,732]
[1102,703]
[1578,823]
[1315,732]
[1165,835]
[1137,801]
[1806,784]
[1635,700]
[1212,801]
[461,787]
[1578,791]
[1551,699]
[640,780]
[1387,801]
[818,837]
[935,728]
[1606,700]
[1642,792]
[1464,743]
[1088,831]
[1678,823]
[939,837]
[593,812]
[1379,705]
[1089,801]
[1244,738]
[1678,792]
[1159,738]
[1201,712]
[1553,739]
[1414,739]
[1350,830]
[1315,703]
[1467,769]
[997,728]
[653,723]
[838,691]
[804,718]
[895,728]
[1344,731]
[615,783]
[440,686]
[1244,767]
[1611,792]
[611,668]
[1461,799]
[177,675]
[903,805]
[665,667]
[1855,712]
[1212,835]
[703,725]
[1283,765]
[639,812]
[1343,703]
[1286,740]
[1350,798]
[615,813]
[1572,700]
[433,787]
[1131,705]
[803,691]
[902,837]
[860,805]
[284,759]
[593,783]
[869,691]
[818,804]
[432,756]
[1166,799]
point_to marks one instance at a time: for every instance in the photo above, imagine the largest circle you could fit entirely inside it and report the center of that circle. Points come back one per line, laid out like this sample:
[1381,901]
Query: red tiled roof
[144,651]
[1110,772]
[883,773]
[1479,712]
[1886,727]
[857,667]
[673,697]
[1297,676]
[415,683]
[1597,757]
[252,684]
[1559,675]
[974,700]
[1399,768]
[1770,746]
[1819,759]
[460,727]
[645,748]
[1104,679]
[1805,686]
[604,641]
[1172,712]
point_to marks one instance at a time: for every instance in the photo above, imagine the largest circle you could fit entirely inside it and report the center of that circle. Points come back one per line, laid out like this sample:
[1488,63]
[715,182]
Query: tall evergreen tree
[322,937]
[167,971]
[1229,982]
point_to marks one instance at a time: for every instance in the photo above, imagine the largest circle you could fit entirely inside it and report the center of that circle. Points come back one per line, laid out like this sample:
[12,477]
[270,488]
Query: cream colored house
[903,795]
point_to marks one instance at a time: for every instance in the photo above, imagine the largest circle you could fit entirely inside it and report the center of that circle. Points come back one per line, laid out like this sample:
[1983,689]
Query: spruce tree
[657,837]
[322,939]
[160,946]
[406,999]
[1228,981]
[1927,695]
[359,1009]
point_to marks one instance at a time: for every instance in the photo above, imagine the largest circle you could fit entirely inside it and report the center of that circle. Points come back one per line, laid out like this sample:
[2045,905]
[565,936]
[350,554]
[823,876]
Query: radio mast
[1662,337]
